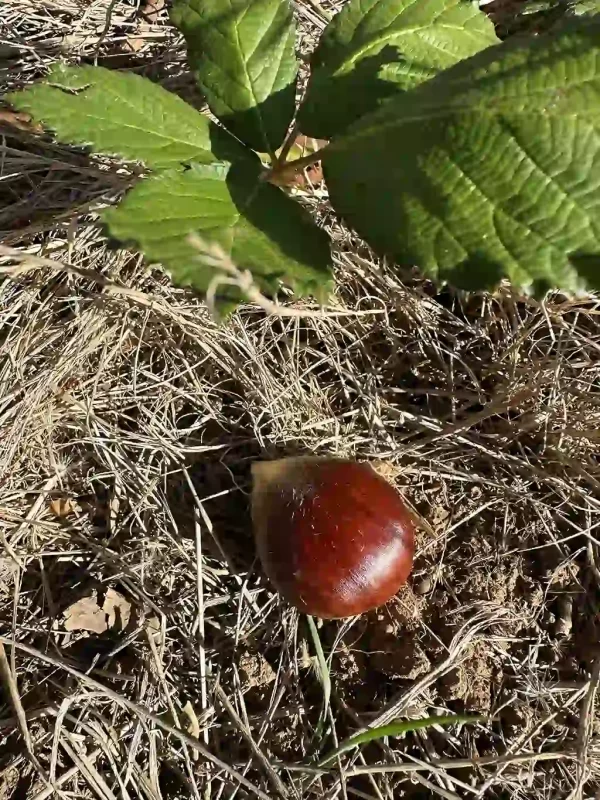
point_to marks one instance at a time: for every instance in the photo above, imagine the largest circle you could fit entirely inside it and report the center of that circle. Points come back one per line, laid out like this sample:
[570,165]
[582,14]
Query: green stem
[297,165]
[288,144]
[275,160]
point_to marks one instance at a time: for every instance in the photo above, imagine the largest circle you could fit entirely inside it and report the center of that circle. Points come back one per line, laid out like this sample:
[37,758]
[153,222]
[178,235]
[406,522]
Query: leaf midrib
[234,227]
[384,39]
[146,132]
[250,83]
[109,122]
[244,81]
[507,104]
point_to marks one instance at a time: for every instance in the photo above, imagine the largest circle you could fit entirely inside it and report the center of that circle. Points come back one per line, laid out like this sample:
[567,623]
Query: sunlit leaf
[123,114]
[489,170]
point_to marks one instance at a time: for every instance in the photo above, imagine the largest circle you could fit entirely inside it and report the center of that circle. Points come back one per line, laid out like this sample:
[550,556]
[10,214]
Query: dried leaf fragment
[86,614]
[62,506]
[23,122]
[117,609]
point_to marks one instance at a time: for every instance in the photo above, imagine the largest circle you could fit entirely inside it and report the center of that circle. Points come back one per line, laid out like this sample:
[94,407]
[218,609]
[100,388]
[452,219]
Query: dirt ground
[133,612]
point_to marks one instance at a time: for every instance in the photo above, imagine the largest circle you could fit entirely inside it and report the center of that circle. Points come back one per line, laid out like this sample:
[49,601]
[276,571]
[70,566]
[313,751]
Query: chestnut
[334,538]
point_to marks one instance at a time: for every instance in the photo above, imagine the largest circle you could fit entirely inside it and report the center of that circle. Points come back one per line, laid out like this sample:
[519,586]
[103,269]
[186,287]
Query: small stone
[255,671]
[424,586]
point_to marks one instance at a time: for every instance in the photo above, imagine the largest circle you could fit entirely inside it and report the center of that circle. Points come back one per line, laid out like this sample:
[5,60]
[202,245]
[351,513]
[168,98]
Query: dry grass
[128,422]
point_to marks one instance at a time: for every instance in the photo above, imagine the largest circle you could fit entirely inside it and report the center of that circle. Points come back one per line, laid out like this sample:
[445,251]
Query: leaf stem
[288,144]
[275,159]
[306,161]
[292,167]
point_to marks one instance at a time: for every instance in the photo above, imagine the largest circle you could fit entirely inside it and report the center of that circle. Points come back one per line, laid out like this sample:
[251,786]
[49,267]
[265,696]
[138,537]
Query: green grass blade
[323,671]
[396,729]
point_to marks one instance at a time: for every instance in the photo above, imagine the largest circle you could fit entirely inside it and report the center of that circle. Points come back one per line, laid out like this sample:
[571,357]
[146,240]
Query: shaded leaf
[584,7]
[259,227]
[242,53]
[375,48]
[123,114]
[395,729]
[490,170]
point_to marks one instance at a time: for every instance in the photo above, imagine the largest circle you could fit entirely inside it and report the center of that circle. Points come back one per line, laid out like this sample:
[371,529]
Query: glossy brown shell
[334,538]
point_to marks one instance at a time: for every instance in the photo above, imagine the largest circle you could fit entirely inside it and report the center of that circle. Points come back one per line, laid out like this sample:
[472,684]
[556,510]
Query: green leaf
[242,53]
[374,49]
[396,728]
[584,7]
[123,114]
[258,226]
[490,170]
